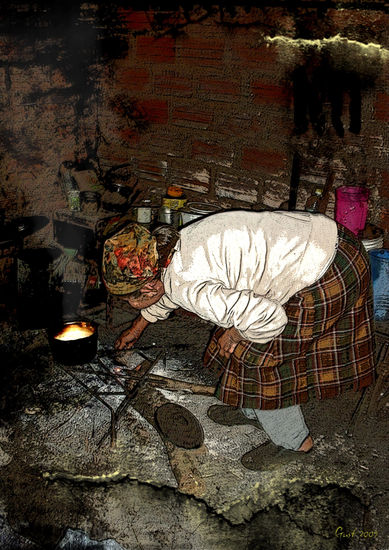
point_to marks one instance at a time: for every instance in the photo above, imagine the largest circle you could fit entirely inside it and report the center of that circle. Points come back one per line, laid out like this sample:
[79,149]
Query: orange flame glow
[75,332]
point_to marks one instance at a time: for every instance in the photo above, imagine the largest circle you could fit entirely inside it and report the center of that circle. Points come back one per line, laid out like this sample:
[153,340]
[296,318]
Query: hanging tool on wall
[290,204]
[294,182]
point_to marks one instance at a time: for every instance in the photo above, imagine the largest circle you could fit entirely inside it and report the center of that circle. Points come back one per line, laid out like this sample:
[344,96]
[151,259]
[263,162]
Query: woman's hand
[130,336]
[228,342]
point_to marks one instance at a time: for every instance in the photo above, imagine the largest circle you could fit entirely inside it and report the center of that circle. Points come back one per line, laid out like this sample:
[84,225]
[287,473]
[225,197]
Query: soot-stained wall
[219,100]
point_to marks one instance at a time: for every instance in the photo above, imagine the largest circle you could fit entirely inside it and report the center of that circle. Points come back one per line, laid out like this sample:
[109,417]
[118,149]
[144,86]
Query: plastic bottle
[313,202]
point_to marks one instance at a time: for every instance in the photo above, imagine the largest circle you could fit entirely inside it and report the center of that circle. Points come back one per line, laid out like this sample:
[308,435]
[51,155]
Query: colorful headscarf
[130,258]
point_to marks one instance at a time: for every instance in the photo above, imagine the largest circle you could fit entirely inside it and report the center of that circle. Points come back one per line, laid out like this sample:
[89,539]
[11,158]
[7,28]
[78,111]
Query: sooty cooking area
[114,112]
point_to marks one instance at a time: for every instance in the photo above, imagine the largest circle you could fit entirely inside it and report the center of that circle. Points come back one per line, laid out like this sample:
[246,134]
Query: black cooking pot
[20,228]
[120,183]
[119,188]
[73,342]
[116,197]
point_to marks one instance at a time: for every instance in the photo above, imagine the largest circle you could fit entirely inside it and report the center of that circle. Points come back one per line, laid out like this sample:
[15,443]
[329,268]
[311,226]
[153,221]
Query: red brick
[63,132]
[173,84]
[151,169]
[384,224]
[113,157]
[251,56]
[190,175]
[211,152]
[218,89]
[136,20]
[275,192]
[9,50]
[132,78]
[129,135]
[155,50]
[344,20]
[232,185]
[58,79]
[384,189]
[270,161]
[193,185]
[170,143]
[155,110]
[279,119]
[384,220]
[120,154]
[382,107]
[236,123]
[174,17]
[191,117]
[269,94]
[250,21]
[201,52]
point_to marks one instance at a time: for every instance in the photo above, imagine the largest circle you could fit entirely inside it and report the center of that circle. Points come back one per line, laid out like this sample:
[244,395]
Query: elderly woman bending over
[290,295]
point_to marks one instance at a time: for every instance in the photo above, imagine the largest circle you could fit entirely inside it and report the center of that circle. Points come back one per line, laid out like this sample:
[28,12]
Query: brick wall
[216,101]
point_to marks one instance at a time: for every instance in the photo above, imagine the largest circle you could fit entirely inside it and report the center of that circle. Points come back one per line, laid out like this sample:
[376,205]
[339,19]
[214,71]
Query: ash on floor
[146,493]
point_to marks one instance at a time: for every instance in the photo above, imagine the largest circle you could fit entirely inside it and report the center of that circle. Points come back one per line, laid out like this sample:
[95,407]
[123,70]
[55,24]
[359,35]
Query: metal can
[169,216]
[143,212]
[174,198]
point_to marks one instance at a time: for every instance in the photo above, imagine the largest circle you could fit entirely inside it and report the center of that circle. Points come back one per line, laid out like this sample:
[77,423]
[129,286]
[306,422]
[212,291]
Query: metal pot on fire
[74,342]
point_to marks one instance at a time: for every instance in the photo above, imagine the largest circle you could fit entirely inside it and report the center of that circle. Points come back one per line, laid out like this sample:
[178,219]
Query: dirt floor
[70,481]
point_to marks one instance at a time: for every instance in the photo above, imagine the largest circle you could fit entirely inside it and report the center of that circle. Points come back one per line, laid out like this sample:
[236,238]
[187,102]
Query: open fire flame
[75,332]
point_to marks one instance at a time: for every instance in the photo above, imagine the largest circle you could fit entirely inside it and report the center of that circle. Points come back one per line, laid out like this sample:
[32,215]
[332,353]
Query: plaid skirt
[326,347]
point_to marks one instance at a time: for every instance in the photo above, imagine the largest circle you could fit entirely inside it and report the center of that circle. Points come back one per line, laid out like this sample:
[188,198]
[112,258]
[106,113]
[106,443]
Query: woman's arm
[256,318]
[131,335]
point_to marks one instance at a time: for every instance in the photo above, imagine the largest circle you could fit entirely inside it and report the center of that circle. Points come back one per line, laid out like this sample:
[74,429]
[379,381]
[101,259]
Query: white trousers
[285,427]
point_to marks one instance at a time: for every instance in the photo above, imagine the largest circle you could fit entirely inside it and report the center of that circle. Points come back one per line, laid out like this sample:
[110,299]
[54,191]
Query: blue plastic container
[379,259]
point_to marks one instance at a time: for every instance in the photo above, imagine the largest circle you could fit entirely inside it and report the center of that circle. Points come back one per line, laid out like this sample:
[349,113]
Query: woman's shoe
[269,457]
[229,416]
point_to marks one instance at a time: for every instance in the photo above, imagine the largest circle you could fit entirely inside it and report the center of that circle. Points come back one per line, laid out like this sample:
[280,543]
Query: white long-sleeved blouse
[237,268]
